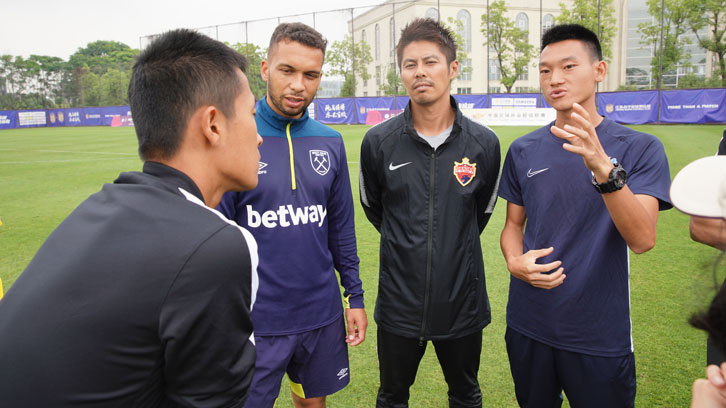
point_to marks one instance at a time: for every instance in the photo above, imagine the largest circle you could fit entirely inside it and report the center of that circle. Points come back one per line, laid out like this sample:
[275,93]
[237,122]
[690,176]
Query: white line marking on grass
[62,161]
[67,151]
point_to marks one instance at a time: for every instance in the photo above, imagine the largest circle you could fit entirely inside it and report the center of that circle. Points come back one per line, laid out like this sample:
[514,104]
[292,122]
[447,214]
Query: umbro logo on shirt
[398,166]
[262,166]
[531,173]
[342,373]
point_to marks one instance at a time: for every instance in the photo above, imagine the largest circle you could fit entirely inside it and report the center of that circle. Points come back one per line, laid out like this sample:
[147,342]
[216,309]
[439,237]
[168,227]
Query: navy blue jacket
[301,215]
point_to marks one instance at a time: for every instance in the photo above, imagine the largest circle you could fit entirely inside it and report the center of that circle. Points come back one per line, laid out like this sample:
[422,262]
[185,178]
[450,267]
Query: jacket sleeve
[370,189]
[205,324]
[341,233]
[487,196]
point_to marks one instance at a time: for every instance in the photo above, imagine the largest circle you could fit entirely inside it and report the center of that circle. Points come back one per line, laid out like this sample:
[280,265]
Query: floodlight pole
[488,60]
[660,55]
[352,57]
[393,54]
[597,85]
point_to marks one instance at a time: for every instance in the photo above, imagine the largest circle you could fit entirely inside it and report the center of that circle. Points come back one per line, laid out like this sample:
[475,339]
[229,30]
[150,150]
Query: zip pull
[292,156]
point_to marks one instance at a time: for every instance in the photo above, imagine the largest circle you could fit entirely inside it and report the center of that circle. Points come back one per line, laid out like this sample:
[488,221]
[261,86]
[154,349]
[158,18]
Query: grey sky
[59,28]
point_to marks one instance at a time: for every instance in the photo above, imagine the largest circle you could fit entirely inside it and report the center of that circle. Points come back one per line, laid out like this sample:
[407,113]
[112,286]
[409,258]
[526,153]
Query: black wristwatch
[616,180]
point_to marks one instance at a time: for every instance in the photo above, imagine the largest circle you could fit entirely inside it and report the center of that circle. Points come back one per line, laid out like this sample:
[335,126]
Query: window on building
[521,89]
[392,36]
[365,93]
[547,21]
[464,70]
[523,76]
[378,42]
[494,74]
[378,75]
[378,93]
[363,36]
[465,31]
[463,91]
[432,13]
[494,89]
[522,22]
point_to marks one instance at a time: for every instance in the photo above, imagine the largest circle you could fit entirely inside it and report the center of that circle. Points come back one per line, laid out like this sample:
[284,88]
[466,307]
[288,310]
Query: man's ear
[212,124]
[601,69]
[265,70]
[453,69]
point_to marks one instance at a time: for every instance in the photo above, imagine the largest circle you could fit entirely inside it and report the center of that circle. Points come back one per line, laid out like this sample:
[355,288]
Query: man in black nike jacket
[428,184]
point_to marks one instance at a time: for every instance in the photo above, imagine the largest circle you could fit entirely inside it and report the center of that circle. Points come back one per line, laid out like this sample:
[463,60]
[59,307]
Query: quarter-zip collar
[275,120]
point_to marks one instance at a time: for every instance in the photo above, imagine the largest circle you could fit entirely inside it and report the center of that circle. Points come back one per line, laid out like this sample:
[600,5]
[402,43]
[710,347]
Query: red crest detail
[464,171]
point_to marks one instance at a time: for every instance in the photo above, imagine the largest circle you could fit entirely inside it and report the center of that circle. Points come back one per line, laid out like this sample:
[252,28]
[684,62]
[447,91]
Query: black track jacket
[140,298]
[430,208]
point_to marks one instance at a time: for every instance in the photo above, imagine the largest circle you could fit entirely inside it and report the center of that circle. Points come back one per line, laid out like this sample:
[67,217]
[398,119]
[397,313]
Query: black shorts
[542,372]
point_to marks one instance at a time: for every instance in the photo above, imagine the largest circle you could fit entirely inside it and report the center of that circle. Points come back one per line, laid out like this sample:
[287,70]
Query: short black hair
[177,73]
[564,32]
[713,320]
[297,32]
[426,29]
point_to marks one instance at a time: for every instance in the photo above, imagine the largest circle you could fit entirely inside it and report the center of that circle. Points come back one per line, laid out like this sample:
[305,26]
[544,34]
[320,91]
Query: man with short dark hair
[580,192]
[301,215]
[428,182]
[142,296]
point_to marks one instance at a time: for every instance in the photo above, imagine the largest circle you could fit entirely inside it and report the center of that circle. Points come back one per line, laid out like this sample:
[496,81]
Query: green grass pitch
[46,172]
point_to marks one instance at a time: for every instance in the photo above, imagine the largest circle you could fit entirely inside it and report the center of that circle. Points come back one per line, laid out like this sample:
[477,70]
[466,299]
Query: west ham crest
[320,160]
[464,171]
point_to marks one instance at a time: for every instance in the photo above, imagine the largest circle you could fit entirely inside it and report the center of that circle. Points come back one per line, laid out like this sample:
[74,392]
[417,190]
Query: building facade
[380,27]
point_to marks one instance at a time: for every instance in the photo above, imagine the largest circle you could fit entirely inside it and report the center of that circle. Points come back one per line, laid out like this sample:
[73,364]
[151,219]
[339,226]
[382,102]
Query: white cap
[700,188]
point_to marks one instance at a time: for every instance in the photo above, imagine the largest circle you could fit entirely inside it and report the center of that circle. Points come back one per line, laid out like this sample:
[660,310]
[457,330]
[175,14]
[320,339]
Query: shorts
[316,363]
[542,372]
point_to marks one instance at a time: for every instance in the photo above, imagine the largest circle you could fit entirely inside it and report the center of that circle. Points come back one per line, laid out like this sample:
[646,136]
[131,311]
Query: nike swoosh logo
[398,166]
[531,173]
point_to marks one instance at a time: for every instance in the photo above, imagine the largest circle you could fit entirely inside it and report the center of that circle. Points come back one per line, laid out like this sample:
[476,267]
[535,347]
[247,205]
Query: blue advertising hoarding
[65,117]
[335,110]
[471,101]
[693,106]
[633,108]
[379,105]
[8,119]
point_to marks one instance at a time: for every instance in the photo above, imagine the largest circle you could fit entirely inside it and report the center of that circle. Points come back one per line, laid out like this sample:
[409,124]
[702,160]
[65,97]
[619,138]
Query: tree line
[95,75]
[98,74]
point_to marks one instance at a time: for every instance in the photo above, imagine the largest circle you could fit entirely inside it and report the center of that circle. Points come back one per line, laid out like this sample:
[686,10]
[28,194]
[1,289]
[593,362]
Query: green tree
[393,84]
[456,27]
[510,44]
[585,13]
[254,55]
[90,85]
[48,73]
[114,85]
[97,57]
[345,59]
[674,42]
[710,16]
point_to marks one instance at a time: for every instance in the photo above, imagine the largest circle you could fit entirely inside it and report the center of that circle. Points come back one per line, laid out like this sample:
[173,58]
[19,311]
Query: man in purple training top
[301,215]
[580,192]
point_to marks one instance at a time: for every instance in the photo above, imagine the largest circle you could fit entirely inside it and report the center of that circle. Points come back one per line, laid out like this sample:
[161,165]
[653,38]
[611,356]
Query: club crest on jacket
[464,171]
[320,160]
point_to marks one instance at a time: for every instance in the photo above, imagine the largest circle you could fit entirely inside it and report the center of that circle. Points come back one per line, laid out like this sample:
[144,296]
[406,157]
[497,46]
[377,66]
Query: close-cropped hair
[564,32]
[426,29]
[713,320]
[179,72]
[297,32]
